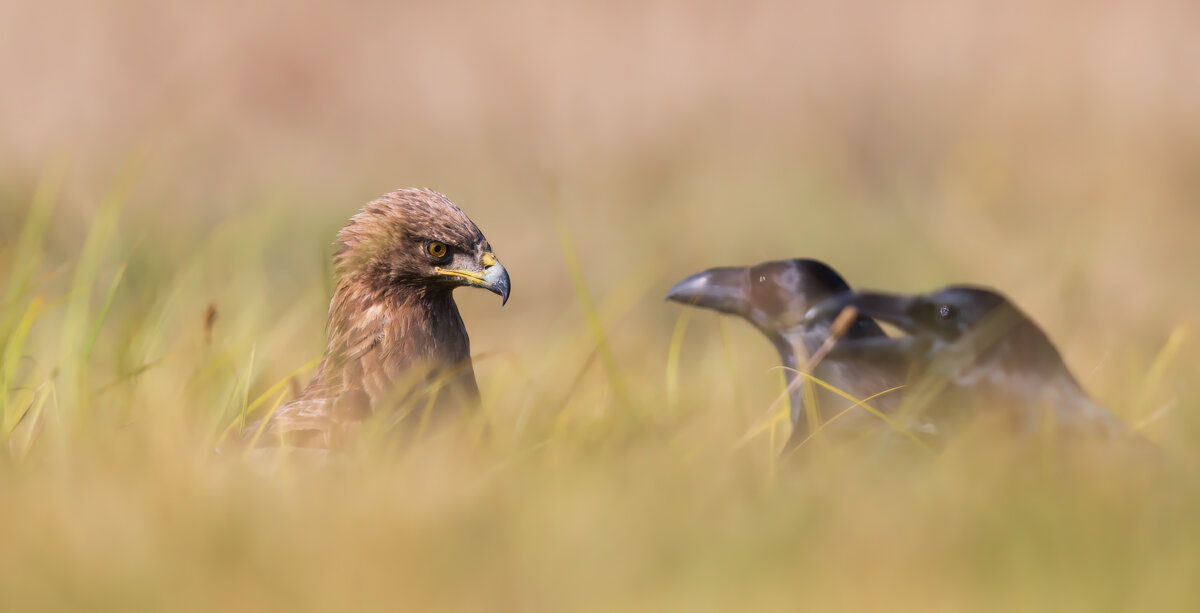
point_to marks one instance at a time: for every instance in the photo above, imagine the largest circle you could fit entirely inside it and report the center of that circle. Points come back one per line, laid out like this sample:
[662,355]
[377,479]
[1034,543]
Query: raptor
[396,342]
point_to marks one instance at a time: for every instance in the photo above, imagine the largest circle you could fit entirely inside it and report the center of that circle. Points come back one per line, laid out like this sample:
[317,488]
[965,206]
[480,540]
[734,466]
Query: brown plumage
[396,340]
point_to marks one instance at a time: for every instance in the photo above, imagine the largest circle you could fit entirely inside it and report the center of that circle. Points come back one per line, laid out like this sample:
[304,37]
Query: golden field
[172,176]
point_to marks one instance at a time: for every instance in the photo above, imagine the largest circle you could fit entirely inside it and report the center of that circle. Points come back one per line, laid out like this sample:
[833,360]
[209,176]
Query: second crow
[980,357]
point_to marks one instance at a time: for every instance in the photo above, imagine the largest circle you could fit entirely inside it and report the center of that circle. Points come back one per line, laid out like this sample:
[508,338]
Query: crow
[396,341]
[978,356]
[775,297]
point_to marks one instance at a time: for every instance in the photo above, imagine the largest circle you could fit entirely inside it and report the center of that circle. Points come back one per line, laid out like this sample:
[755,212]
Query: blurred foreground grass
[606,149]
[627,471]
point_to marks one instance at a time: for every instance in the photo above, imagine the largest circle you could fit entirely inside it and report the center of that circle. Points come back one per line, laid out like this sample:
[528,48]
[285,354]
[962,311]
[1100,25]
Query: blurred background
[191,163]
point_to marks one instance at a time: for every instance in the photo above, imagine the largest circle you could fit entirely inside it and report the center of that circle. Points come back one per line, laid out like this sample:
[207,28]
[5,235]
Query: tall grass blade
[73,354]
[592,315]
[1157,371]
[28,246]
[12,355]
[104,308]
[674,352]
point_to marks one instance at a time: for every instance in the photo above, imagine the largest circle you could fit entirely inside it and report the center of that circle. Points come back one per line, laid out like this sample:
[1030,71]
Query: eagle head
[416,238]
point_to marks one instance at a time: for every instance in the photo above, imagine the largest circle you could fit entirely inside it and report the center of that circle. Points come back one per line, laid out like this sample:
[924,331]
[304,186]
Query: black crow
[979,356]
[774,297]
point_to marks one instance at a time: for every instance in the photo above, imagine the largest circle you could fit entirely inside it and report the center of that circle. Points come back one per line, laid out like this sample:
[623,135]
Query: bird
[396,340]
[978,355]
[775,297]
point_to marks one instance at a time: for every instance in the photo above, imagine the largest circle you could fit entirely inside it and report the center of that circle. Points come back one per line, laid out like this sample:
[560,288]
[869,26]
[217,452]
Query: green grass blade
[674,351]
[74,335]
[29,244]
[104,308]
[12,354]
[246,387]
[592,315]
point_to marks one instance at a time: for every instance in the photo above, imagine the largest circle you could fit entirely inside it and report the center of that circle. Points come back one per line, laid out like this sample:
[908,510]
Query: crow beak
[894,309]
[493,276]
[719,289]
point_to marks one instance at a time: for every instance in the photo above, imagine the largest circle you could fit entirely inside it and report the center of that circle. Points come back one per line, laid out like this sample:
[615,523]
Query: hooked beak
[493,276]
[719,289]
[894,309]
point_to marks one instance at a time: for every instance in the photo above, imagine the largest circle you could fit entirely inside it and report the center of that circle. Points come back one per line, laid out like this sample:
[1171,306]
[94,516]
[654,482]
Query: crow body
[976,355]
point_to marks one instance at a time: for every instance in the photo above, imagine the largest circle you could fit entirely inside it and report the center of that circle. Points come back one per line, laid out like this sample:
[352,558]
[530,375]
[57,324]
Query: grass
[151,303]
[632,482]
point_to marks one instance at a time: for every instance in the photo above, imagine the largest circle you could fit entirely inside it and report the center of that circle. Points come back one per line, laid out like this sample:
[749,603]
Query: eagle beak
[493,276]
[719,289]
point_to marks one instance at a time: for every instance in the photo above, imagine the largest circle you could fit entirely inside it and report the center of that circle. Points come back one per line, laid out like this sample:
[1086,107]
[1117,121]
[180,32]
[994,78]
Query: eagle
[396,341]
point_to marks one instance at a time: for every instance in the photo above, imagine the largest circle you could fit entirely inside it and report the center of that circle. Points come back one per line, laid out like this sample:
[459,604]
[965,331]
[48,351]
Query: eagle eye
[946,311]
[437,249]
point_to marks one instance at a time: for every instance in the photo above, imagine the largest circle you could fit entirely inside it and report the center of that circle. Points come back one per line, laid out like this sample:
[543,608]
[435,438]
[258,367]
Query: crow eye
[946,311]
[438,250]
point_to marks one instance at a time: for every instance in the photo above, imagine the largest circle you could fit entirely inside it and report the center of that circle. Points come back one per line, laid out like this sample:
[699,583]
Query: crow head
[774,296]
[964,330]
